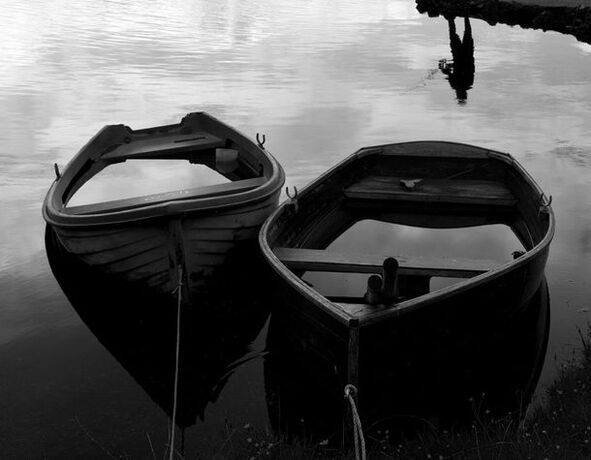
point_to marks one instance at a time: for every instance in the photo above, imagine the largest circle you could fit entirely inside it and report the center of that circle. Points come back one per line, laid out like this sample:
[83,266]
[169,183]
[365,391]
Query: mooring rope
[178,291]
[359,440]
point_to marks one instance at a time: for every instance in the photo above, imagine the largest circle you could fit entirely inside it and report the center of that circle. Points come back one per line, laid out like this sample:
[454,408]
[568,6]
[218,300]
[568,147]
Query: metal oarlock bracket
[545,202]
[261,143]
[293,199]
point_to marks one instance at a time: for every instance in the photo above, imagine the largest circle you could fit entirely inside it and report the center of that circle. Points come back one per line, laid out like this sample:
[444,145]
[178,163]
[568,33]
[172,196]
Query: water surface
[320,79]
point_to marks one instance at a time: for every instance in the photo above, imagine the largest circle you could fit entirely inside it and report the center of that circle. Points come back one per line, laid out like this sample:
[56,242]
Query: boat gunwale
[407,306]
[55,212]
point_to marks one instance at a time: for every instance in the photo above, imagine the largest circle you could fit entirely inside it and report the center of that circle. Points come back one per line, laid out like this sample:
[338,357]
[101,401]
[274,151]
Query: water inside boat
[492,242]
[144,177]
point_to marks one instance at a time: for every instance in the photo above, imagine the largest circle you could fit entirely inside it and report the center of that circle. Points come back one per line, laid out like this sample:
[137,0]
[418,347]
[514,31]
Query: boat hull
[496,303]
[173,239]
[150,254]
[433,367]
[458,186]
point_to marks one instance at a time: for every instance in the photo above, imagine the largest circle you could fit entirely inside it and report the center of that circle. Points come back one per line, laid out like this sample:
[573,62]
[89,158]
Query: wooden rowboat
[149,240]
[420,184]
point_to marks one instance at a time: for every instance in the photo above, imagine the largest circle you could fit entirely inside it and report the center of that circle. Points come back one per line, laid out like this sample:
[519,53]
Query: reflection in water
[570,19]
[460,72]
[447,378]
[136,178]
[486,239]
[140,332]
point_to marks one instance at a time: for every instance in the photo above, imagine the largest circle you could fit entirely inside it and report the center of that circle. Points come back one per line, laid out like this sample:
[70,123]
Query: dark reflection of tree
[460,72]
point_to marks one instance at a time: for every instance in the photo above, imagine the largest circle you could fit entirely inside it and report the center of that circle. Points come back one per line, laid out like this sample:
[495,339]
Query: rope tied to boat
[178,291]
[359,440]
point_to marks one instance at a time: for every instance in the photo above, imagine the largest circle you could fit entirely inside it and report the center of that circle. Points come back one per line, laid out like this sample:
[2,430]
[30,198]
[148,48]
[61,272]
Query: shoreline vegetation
[572,17]
[560,428]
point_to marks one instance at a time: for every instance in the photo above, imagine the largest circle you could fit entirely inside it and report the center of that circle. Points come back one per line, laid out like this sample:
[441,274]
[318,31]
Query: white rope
[359,440]
[178,291]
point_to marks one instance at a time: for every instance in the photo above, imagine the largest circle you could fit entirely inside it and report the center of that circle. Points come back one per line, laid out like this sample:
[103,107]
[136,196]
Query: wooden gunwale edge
[159,210]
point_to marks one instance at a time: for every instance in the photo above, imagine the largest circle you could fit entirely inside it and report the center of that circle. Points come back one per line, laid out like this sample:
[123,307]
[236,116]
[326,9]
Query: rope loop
[179,284]
[350,389]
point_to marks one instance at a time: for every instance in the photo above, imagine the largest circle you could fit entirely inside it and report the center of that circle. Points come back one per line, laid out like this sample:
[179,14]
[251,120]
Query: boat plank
[108,258]
[481,192]
[121,243]
[155,147]
[231,220]
[221,234]
[157,262]
[158,279]
[90,233]
[184,194]
[211,247]
[329,261]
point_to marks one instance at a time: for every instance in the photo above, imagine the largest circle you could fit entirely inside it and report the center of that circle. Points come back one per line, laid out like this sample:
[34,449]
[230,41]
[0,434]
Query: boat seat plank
[185,194]
[329,261]
[460,191]
[154,147]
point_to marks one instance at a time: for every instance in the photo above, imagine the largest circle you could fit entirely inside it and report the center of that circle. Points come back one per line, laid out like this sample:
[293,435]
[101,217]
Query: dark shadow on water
[571,20]
[444,379]
[460,72]
[139,330]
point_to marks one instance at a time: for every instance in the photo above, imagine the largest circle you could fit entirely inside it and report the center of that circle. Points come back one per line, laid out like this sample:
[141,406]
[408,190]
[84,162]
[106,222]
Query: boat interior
[443,218]
[235,165]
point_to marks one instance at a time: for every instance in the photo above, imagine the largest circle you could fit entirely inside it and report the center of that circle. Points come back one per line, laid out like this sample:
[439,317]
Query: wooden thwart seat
[164,147]
[329,261]
[186,194]
[459,191]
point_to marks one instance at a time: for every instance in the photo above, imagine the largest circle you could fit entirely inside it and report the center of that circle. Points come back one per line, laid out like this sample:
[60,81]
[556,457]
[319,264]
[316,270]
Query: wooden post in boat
[390,275]
[374,290]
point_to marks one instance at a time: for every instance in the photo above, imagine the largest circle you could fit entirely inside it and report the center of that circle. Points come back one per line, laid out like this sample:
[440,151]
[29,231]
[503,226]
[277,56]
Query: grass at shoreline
[558,429]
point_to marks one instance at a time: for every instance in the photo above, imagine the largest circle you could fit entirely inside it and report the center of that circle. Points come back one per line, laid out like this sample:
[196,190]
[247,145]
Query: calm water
[320,79]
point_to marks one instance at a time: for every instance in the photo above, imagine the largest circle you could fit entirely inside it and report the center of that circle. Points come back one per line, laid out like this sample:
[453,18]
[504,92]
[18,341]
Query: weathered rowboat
[145,240]
[422,184]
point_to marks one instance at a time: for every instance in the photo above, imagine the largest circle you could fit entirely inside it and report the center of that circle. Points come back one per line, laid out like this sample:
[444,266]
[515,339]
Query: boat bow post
[352,373]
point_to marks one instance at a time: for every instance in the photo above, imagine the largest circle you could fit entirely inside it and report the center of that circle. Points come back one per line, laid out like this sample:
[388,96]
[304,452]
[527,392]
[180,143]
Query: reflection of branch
[574,21]
[423,82]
